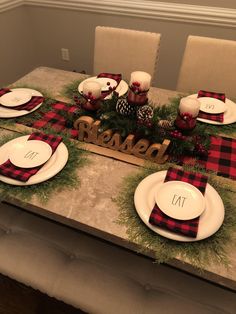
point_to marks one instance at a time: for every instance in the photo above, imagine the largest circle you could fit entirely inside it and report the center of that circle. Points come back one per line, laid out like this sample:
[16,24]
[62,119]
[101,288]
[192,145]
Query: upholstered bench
[96,276]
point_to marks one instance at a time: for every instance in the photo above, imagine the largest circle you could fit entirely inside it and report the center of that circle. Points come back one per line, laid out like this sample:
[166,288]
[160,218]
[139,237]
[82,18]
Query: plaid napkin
[55,120]
[219,117]
[23,174]
[116,77]
[30,105]
[187,228]
[4,91]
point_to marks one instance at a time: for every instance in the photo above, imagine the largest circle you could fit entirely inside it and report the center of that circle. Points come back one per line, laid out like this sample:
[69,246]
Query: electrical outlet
[65,55]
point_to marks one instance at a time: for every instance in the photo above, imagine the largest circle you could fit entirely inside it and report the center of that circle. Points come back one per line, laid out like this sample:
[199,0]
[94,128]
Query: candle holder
[185,121]
[91,105]
[137,98]
[138,88]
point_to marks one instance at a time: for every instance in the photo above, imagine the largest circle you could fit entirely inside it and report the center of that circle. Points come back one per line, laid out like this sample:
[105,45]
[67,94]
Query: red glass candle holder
[185,121]
[139,99]
[91,105]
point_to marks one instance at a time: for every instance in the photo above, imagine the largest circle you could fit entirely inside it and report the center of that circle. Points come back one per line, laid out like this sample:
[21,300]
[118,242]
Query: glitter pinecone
[145,115]
[124,108]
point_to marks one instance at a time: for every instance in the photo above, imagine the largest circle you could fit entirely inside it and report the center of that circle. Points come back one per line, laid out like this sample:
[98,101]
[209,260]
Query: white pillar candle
[189,105]
[92,89]
[142,78]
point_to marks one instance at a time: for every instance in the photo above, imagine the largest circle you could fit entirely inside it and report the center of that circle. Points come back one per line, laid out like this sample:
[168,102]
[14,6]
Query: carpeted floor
[16,298]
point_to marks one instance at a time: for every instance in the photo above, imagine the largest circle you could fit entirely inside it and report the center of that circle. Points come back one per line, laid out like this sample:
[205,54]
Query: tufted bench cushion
[96,276]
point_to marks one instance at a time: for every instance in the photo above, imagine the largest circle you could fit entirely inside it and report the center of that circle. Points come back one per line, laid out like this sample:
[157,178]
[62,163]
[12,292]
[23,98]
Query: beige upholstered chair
[209,64]
[124,51]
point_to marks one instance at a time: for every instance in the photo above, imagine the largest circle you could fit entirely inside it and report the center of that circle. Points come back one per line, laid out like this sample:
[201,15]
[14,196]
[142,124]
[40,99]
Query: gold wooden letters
[89,132]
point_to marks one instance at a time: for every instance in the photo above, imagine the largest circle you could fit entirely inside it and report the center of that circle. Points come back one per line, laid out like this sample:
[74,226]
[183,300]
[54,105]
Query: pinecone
[145,115]
[124,108]
[165,124]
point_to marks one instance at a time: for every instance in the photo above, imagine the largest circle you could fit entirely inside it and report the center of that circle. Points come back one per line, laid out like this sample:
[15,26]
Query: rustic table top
[89,208]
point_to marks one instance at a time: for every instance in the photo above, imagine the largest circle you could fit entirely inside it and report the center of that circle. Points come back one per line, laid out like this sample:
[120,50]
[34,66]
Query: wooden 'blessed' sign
[89,133]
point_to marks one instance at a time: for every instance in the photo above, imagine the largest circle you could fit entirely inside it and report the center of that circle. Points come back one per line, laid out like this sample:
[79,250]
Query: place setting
[32,159]
[16,102]
[102,86]
[179,205]
[215,108]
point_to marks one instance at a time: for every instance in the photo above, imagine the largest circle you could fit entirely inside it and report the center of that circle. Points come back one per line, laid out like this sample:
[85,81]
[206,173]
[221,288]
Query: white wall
[17,54]
[65,24]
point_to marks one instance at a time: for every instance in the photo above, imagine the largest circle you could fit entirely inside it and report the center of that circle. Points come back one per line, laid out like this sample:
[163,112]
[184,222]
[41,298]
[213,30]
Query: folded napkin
[4,91]
[116,77]
[219,117]
[23,174]
[187,228]
[30,105]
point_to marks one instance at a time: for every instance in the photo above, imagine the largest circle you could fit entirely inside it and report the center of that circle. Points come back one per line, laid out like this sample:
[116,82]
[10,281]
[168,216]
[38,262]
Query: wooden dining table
[89,207]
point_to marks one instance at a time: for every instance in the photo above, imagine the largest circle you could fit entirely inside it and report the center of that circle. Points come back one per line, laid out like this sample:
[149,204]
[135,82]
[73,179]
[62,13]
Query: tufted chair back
[124,51]
[209,64]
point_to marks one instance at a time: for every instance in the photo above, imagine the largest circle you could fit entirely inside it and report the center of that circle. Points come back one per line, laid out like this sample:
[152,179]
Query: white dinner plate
[30,154]
[209,222]
[121,89]
[180,200]
[15,98]
[212,105]
[11,113]
[54,165]
[229,114]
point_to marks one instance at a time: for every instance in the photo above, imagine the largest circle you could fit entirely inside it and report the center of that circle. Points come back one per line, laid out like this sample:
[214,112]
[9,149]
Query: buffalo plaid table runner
[221,157]
[55,120]
[30,105]
[23,174]
[187,228]
[116,77]
[219,117]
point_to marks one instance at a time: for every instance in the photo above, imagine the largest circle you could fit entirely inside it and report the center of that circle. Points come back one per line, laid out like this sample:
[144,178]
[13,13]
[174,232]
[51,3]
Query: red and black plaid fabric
[220,96]
[221,157]
[23,174]
[30,105]
[55,120]
[219,117]
[4,91]
[116,77]
[187,228]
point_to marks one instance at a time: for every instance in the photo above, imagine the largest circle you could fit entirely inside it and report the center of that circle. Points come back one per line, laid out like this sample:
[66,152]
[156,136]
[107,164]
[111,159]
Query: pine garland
[111,119]
[200,254]
[65,179]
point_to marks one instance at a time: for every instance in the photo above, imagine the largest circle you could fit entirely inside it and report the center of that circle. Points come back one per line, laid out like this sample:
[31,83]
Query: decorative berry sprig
[135,87]
[177,134]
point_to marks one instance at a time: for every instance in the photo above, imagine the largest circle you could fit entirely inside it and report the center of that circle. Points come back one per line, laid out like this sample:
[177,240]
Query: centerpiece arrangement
[132,124]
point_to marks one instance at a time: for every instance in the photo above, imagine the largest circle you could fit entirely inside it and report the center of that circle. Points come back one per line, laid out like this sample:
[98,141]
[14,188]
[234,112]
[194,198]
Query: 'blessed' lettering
[88,132]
